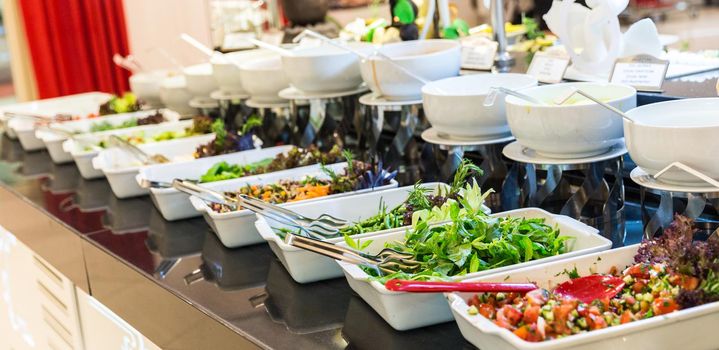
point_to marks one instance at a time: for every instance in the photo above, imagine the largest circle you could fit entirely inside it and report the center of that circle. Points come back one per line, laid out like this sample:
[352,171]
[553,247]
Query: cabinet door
[103,329]
[21,323]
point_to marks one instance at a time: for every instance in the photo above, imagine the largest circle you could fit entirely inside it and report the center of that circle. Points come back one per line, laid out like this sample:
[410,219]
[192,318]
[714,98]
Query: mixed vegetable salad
[229,142]
[356,176]
[670,273]
[126,103]
[156,118]
[295,157]
[199,127]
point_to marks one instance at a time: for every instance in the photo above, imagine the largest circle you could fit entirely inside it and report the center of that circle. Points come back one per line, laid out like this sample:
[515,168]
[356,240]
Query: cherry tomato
[486,310]
[626,317]
[661,306]
[531,313]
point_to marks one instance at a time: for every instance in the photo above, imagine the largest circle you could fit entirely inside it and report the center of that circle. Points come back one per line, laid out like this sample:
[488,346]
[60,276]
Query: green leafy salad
[474,242]
[423,204]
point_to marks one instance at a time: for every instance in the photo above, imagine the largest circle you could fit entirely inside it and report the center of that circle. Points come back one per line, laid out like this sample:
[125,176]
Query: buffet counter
[174,281]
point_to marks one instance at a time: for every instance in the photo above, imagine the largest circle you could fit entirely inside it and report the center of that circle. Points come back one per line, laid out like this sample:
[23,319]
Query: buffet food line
[388,167]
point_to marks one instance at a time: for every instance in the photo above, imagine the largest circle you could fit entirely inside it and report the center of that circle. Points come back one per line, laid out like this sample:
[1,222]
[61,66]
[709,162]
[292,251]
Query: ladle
[572,90]
[494,92]
[274,48]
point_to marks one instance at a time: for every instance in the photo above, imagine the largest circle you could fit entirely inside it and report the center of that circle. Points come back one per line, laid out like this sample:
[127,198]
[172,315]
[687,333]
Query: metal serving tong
[388,260]
[324,226]
[137,152]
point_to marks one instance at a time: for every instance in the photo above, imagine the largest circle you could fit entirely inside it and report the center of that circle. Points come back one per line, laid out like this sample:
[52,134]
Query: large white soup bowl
[146,86]
[429,59]
[683,131]
[200,81]
[576,129]
[324,68]
[226,70]
[263,78]
[455,106]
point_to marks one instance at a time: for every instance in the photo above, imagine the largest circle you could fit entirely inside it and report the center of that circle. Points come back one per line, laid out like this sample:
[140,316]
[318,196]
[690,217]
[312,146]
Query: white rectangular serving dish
[684,329]
[236,229]
[121,168]
[53,140]
[24,129]
[175,205]
[305,266]
[405,311]
[83,157]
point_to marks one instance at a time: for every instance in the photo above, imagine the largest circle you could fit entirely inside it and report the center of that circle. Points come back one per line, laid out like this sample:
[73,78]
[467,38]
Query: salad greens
[295,157]
[156,118]
[420,202]
[224,171]
[474,242]
[126,103]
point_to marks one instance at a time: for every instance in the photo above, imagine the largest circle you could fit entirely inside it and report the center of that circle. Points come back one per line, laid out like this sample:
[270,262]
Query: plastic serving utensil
[590,288]
[441,287]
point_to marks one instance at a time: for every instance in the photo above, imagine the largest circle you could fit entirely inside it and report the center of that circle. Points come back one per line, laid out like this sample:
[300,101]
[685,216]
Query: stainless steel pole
[503,61]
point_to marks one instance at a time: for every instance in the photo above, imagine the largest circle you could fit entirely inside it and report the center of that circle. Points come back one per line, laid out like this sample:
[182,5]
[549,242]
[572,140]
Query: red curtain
[71,45]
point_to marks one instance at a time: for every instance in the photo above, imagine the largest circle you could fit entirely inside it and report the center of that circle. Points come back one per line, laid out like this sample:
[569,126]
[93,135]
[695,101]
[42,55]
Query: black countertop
[246,289]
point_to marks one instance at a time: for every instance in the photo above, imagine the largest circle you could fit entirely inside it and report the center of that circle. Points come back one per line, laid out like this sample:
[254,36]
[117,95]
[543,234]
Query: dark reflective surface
[246,288]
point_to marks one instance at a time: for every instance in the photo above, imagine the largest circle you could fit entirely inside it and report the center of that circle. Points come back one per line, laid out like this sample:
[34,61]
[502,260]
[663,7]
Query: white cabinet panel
[103,329]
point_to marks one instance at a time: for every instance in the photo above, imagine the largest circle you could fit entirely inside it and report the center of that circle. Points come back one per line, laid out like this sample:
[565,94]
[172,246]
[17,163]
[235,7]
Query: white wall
[153,23]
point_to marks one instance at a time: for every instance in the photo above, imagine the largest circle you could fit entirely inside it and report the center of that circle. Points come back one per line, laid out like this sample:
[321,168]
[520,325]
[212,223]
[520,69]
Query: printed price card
[643,72]
[478,53]
[548,68]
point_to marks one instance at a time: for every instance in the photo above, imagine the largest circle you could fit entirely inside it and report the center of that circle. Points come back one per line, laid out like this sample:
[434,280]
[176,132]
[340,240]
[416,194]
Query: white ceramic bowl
[263,78]
[146,86]
[200,81]
[455,106]
[324,68]
[428,59]
[227,72]
[174,95]
[675,131]
[577,129]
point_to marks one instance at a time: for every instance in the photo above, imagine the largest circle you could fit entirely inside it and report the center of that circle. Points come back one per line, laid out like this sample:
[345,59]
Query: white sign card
[643,72]
[478,53]
[548,68]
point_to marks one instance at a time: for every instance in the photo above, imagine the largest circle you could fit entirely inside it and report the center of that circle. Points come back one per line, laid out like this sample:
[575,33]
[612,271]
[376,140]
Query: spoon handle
[440,287]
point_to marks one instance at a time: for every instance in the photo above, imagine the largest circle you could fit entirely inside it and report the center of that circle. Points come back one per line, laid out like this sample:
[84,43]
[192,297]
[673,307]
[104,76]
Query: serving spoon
[585,289]
[561,99]
[494,92]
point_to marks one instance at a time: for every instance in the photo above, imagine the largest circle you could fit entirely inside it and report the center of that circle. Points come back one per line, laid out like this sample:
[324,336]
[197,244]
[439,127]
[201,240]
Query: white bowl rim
[311,51]
[452,46]
[251,64]
[510,78]
[689,101]
[198,69]
[519,102]
[228,58]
